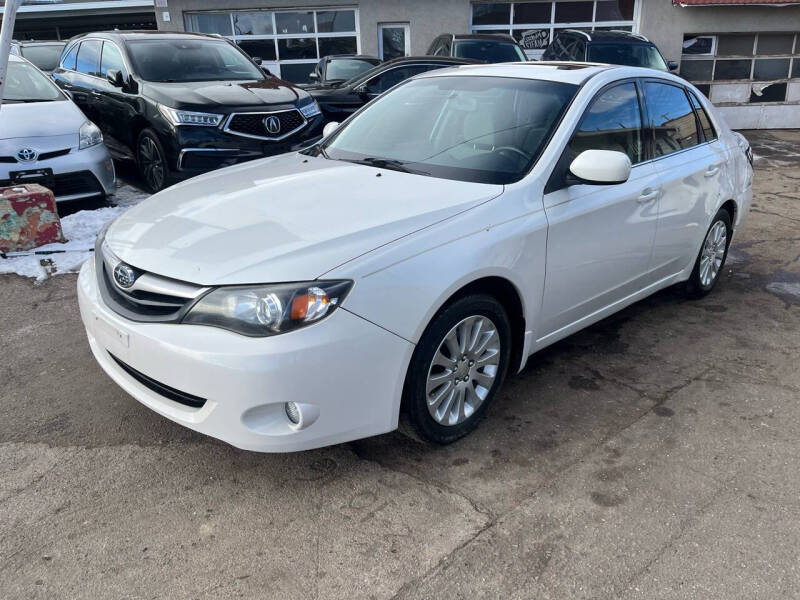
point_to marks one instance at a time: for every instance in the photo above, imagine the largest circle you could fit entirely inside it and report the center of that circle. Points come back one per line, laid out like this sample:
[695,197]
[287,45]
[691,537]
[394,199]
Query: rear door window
[89,58]
[705,122]
[670,118]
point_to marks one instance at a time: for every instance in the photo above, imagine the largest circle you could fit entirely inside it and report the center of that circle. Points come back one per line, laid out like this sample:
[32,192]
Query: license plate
[41,176]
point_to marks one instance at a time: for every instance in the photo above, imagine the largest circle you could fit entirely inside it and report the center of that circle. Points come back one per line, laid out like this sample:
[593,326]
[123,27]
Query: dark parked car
[43,54]
[485,47]
[613,47]
[339,101]
[339,68]
[183,103]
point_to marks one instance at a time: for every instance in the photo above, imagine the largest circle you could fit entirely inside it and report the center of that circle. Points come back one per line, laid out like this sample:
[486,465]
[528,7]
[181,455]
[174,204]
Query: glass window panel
[532,12]
[796,68]
[394,42]
[334,21]
[297,48]
[735,45]
[697,70]
[772,93]
[702,44]
[671,118]
[613,122]
[252,23]
[574,12]
[89,57]
[732,69]
[491,14]
[263,49]
[295,22]
[209,23]
[771,68]
[704,88]
[615,28]
[614,10]
[775,43]
[69,59]
[337,45]
[705,122]
[298,72]
[112,59]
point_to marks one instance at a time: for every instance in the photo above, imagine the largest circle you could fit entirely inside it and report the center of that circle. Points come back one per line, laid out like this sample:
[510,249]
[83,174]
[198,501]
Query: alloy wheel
[463,370]
[713,253]
[151,163]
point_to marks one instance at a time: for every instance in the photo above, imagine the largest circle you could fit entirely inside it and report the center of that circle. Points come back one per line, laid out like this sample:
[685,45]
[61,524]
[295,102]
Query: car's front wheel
[711,259]
[457,367]
[152,161]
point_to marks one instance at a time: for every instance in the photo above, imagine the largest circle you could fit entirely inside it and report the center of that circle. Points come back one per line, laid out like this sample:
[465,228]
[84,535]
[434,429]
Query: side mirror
[114,77]
[313,75]
[361,89]
[672,65]
[600,167]
[329,128]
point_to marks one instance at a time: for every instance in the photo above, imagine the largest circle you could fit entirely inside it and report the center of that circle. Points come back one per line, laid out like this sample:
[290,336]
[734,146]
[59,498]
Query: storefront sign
[535,39]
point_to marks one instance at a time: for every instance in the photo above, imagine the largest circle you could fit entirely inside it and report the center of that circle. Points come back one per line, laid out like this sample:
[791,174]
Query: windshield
[488,50]
[632,55]
[25,84]
[45,56]
[480,129]
[190,60]
[346,68]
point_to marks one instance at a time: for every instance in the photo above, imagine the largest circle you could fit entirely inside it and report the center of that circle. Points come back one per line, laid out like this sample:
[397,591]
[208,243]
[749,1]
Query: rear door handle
[648,195]
[712,170]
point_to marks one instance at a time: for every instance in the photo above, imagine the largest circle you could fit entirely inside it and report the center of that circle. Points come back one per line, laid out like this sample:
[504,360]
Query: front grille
[252,124]
[79,182]
[42,156]
[159,388]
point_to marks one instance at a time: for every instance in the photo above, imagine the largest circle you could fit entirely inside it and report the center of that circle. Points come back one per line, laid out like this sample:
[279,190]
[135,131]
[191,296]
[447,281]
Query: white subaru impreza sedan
[462,221]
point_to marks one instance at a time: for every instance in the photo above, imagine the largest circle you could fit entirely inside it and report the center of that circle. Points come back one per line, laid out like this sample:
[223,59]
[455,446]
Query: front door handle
[648,195]
[712,170]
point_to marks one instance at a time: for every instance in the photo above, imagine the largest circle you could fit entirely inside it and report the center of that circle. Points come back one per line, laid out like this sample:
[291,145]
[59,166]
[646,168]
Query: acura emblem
[26,154]
[124,276]
[273,125]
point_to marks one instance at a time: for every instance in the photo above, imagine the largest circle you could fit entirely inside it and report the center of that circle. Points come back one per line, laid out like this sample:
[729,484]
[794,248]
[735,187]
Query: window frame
[651,134]
[125,68]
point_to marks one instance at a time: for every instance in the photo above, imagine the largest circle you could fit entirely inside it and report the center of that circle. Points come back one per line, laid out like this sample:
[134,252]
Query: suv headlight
[89,135]
[187,117]
[261,311]
[309,110]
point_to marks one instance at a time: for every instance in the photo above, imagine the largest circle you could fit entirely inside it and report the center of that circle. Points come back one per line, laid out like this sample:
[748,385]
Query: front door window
[394,40]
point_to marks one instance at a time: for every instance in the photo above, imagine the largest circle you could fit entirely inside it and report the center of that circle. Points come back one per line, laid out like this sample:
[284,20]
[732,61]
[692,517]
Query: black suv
[183,103]
[612,47]
[339,100]
[485,47]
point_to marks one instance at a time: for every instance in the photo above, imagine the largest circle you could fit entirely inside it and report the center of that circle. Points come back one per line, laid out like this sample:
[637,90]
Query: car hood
[287,218]
[39,119]
[208,94]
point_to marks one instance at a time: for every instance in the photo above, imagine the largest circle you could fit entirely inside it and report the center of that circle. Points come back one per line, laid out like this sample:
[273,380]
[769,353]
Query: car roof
[575,73]
[497,37]
[613,35]
[361,56]
[38,42]
[144,34]
[430,58]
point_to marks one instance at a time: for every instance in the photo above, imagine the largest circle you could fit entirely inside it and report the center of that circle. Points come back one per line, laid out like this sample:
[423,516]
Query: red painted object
[28,218]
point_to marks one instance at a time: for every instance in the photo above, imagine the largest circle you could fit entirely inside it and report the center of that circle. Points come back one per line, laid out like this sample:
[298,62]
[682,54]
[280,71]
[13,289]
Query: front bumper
[78,175]
[345,373]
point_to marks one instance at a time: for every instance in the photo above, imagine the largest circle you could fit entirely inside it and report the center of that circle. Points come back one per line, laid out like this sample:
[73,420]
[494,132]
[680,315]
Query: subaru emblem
[124,276]
[273,125]
[26,154]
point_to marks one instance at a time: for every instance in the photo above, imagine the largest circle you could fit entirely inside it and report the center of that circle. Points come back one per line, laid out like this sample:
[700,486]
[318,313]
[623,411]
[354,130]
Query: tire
[152,162]
[450,407]
[711,258]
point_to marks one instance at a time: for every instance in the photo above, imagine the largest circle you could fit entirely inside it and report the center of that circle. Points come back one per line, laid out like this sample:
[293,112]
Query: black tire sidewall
[414,391]
[152,135]
[695,287]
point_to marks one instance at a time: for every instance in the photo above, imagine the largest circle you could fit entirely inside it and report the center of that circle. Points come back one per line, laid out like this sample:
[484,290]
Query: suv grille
[253,124]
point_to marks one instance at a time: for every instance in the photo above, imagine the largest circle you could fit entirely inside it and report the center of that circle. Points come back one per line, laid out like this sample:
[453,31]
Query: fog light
[293,412]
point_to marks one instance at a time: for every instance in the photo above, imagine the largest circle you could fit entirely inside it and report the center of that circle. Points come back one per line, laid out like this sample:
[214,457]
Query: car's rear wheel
[152,161]
[711,259]
[457,367]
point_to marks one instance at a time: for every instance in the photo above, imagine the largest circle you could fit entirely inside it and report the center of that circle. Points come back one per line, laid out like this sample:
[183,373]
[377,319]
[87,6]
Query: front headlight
[187,117]
[89,135]
[266,310]
[309,110]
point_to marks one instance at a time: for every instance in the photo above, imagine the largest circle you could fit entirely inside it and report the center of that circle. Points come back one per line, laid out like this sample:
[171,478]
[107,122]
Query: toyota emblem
[273,125]
[26,154]
[124,276]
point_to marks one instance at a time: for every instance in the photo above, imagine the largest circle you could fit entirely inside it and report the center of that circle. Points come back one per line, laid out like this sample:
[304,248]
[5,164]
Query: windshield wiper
[389,163]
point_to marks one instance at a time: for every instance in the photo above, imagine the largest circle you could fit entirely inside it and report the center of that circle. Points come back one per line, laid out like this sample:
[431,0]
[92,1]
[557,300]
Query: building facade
[745,54]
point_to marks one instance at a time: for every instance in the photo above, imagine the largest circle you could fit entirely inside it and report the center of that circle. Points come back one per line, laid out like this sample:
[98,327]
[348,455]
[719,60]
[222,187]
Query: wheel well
[730,208]
[137,127]
[506,294]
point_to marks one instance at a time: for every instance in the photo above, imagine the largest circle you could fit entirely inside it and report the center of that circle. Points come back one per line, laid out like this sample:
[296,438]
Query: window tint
[89,57]
[112,59]
[613,122]
[264,49]
[68,61]
[634,55]
[392,77]
[671,119]
[489,51]
[705,122]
